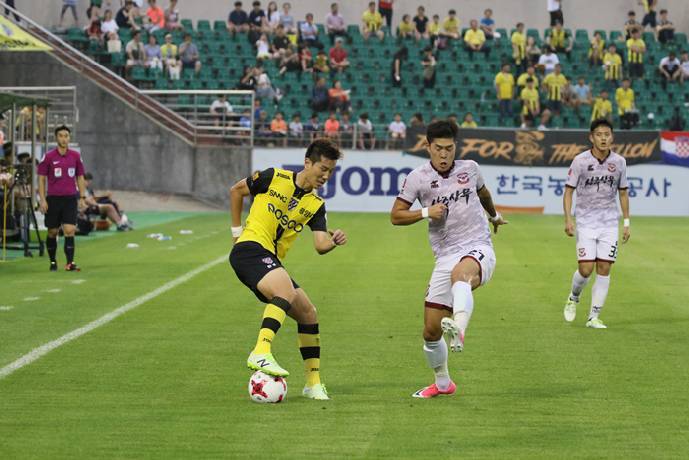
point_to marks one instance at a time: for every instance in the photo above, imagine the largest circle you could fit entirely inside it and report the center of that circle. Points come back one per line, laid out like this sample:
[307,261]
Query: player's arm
[81,183]
[43,205]
[567,205]
[238,192]
[325,240]
[486,200]
[402,215]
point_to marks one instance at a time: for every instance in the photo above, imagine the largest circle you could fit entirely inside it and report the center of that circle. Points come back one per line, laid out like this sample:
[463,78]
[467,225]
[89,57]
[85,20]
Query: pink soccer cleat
[432,391]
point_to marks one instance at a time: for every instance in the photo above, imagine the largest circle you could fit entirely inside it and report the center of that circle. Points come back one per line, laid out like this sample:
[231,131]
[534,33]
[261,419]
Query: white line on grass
[30,299]
[6,307]
[38,352]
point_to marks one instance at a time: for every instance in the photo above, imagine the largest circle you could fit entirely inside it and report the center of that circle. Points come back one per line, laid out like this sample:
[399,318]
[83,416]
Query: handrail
[109,81]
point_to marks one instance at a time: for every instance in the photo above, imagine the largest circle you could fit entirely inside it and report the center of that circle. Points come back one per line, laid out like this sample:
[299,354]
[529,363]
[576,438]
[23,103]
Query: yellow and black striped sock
[310,348]
[273,317]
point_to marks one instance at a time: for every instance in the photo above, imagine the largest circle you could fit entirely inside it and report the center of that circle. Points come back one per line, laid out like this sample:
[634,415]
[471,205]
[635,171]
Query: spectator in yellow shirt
[450,27]
[434,28]
[475,40]
[468,121]
[372,22]
[554,85]
[530,73]
[596,50]
[406,28]
[519,47]
[504,89]
[560,40]
[624,97]
[612,63]
[636,49]
[602,107]
[531,106]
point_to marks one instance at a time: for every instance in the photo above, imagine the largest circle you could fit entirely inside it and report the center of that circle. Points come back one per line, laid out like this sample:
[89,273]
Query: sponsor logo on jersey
[446,200]
[590,168]
[434,183]
[599,180]
[463,178]
[284,176]
[277,195]
[284,220]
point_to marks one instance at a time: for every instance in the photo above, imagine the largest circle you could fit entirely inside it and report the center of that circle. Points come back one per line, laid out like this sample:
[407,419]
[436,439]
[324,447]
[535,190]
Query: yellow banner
[13,38]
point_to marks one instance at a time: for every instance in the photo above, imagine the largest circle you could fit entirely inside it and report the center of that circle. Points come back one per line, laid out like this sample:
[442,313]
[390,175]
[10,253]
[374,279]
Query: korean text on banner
[13,38]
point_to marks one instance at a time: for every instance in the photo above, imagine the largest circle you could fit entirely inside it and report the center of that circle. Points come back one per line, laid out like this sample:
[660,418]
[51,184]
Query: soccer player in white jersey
[453,198]
[597,176]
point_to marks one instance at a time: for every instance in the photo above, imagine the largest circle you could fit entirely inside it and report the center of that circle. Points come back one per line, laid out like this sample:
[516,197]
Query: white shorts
[439,293]
[597,244]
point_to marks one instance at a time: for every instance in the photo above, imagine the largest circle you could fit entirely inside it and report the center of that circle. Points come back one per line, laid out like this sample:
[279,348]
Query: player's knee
[585,270]
[52,232]
[432,333]
[603,268]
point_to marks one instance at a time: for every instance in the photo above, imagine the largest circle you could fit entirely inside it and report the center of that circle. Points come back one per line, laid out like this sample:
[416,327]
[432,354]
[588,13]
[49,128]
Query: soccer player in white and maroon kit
[597,176]
[453,197]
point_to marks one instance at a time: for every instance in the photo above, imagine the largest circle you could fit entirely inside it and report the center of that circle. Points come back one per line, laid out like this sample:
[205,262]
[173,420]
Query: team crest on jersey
[611,167]
[292,204]
[582,252]
[434,184]
[463,178]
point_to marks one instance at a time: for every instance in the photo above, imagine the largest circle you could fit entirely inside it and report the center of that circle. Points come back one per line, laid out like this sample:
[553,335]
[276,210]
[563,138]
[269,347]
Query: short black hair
[441,129]
[62,128]
[320,148]
[601,122]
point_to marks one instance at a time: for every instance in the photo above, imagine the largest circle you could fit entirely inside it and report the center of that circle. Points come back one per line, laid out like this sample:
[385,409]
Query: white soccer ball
[264,388]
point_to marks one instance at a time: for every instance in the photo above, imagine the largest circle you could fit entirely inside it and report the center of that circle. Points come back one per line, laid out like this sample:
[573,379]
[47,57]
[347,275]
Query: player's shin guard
[578,284]
[436,354]
[69,249]
[51,245]
[600,292]
[273,317]
[310,348]
[462,304]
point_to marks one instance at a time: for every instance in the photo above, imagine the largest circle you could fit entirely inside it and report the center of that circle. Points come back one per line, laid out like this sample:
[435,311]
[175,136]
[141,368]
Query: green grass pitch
[168,379]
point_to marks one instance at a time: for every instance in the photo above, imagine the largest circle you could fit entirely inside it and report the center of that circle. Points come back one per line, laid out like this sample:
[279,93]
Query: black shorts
[251,262]
[61,210]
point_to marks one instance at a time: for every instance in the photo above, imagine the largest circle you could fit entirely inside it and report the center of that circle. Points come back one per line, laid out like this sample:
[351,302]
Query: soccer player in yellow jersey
[636,49]
[624,96]
[284,203]
[554,85]
[530,73]
[519,47]
[602,107]
[612,63]
[504,88]
[531,106]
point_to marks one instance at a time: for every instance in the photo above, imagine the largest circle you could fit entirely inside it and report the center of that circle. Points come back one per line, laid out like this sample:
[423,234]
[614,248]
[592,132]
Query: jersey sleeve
[573,175]
[319,221]
[410,189]
[80,167]
[480,182]
[42,169]
[260,181]
[623,184]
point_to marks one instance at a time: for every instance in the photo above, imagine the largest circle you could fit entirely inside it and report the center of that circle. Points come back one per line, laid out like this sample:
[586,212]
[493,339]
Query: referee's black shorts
[251,262]
[61,210]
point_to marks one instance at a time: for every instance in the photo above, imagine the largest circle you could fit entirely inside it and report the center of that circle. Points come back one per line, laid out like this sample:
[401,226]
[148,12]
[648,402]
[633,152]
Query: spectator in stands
[650,13]
[488,24]
[281,42]
[450,29]
[530,73]
[172,17]
[168,53]
[533,51]
[263,48]
[290,61]
[319,96]
[421,24]
[555,12]
[189,55]
[367,137]
[278,127]
[475,40]
[531,105]
[452,118]
[338,98]
[596,50]
[684,66]
[308,32]
[560,40]
[262,126]
[612,65]
[548,60]
[546,115]
[581,95]
[665,30]
[346,128]
[109,25]
[156,17]
[468,121]
[385,10]
[287,20]
[338,57]
[264,87]
[602,107]
[676,122]
[154,58]
[518,40]
[670,69]
[631,25]
[258,105]
[135,51]
[10,3]
[332,127]
[397,132]
[220,110]
[554,85]
[238,20]
[626,109]
[272,16]
[126,16]
[94,30]
[320,64]
[104,206]
[69,5]
[406,28]
[335,24]
[258,24]
[296,128]
[504,90]
[305,58]
[397,64]
[313,127]
[636,50]
[434,28]
[429,64]
[372,22]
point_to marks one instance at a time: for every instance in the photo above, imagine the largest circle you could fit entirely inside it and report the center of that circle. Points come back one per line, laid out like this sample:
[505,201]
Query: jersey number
[613,251]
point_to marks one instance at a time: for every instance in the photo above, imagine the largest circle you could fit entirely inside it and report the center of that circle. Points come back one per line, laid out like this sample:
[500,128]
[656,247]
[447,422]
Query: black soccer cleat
[53,266]
[72,267]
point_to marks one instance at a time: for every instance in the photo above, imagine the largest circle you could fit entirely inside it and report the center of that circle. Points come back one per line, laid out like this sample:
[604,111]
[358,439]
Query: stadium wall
[124,149]
[578,14]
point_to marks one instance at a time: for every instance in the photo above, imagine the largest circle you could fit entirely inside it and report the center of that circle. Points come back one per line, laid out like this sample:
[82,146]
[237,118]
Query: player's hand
[498,222]
[437,211]
[43,207]
[569,227]
[625,235]
[339,237]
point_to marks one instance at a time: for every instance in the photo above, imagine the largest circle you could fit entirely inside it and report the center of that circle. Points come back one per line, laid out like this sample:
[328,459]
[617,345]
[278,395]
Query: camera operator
[63,172]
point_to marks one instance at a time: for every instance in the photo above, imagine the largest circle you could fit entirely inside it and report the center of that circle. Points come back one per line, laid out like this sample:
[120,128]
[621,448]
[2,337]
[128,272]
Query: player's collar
[445,174]
[604,159]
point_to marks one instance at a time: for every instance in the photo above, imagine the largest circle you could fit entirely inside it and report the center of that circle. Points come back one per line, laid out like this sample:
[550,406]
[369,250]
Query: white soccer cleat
[316,391]
[453,333]
[570,310]
[596,323]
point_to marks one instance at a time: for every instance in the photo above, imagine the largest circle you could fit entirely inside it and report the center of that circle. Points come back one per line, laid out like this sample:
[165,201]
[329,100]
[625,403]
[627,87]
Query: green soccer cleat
[596,323]
[316,391]
[265,363]
[570,310]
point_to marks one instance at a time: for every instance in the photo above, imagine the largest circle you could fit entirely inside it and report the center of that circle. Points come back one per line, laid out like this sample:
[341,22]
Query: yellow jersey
[521,81]
[530,100]
[466,124]
[634,57]
[597,47]
[474,37]
[434,28]
[556,85]
[519,40]
[505,84]
[280,211]
[613,66]
[406,27]
[557,39]
[168,51]
[624,99]
[373,20]
[602,108]
[451,25]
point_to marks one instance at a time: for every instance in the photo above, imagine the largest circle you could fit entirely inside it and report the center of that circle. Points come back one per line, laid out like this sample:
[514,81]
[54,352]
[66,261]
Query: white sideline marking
[77,281]
[44,349]
[53,291]
[30,299]
[6,307]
